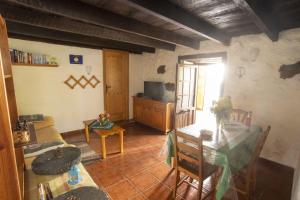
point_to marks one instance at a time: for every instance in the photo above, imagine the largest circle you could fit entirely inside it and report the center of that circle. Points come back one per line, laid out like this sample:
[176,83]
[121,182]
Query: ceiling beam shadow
[174,14]
[97,16]
[260,17]
[43,20]
[18,30]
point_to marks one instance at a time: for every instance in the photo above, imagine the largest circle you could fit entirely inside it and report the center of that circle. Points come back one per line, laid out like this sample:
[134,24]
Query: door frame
[222,55]
[126,80]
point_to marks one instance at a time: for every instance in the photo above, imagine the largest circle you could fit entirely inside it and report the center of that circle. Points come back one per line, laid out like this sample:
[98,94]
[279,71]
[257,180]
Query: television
[154,90]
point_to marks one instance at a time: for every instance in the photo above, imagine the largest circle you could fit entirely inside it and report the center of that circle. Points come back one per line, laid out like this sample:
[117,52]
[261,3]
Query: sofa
[46,132]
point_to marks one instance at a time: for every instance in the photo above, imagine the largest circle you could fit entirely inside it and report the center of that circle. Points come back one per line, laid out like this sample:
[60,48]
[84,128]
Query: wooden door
[185,111]
[116,83]
[9,184]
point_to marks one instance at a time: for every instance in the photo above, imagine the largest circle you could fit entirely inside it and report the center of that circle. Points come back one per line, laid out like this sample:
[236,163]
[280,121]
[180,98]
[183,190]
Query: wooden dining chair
[242,116]
[248,174]
[189,161]
[184,118]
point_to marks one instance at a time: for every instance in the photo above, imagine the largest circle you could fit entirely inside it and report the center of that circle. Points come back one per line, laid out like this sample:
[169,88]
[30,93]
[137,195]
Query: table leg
[121,141]
[103,146]
[87,134]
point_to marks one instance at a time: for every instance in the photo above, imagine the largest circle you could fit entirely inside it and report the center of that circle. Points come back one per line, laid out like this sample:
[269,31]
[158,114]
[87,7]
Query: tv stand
[153,113]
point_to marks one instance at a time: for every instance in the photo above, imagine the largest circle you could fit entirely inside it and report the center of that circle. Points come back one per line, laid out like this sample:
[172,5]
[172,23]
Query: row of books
[28,58]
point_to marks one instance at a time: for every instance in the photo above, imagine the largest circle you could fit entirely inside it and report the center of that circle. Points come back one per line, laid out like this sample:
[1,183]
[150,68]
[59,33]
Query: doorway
[115,72]
[200,80]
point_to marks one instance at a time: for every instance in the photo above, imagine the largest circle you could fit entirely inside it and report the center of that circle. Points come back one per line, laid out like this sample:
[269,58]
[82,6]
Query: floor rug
[88,155]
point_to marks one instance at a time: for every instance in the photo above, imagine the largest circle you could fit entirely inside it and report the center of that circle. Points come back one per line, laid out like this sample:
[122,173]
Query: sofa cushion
[48,121]
[46,132]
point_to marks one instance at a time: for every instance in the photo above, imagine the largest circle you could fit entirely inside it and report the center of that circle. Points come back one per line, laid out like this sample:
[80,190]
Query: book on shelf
[28,58]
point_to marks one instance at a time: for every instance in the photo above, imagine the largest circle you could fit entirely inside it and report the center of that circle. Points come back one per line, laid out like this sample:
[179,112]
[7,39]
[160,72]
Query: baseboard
[277,165]
[74,132]
[126,123]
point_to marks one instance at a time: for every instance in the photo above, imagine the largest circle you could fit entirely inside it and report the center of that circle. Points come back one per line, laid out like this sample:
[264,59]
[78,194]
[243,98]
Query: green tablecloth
[233,152]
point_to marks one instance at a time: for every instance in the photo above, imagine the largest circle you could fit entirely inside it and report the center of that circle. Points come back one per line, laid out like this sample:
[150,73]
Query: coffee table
[103,133]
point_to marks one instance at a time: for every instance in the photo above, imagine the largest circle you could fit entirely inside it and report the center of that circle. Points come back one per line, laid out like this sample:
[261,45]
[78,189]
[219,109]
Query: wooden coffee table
[103,133]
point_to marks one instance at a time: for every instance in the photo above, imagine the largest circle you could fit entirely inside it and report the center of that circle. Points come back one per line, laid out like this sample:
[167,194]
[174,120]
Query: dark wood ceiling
[143,25]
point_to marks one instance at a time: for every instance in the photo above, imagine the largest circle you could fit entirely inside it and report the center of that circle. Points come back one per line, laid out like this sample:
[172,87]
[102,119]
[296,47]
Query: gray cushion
[37,149]
[56,162]
[83,193]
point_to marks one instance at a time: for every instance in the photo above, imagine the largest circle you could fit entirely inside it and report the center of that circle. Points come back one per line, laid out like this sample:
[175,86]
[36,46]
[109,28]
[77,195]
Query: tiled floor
[141,172]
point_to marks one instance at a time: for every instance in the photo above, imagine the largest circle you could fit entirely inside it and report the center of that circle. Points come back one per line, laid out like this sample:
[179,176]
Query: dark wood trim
[222,55]
[97,16]
[174,14]
[74,132]
[260,17]
[39,19]
[274,164]
[17,29]
[59,42]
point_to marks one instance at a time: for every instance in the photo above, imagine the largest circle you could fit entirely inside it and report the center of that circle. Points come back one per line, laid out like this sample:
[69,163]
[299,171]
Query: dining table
[230,146]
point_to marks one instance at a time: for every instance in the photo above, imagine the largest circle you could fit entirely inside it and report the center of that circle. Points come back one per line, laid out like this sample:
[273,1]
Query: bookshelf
[31,59]
[35,65]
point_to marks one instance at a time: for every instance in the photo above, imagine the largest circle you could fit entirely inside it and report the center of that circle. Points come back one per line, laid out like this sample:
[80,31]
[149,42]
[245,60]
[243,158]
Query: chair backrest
[239,115]
[259,146]
[189,149]
[184,118]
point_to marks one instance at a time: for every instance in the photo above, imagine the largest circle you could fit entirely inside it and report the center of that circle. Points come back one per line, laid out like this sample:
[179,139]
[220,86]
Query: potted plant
[222,110]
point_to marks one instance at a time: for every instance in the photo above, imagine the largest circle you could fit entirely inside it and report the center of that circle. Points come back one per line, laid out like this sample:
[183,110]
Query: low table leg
[121,141]
[103,146]
[87,134]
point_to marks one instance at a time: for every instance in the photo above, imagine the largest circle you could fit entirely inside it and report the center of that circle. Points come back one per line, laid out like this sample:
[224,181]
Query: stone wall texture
[273,100]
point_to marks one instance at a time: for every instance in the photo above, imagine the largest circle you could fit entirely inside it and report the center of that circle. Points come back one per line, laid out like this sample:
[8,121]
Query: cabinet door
[159,116]
[147,116]
[137,110]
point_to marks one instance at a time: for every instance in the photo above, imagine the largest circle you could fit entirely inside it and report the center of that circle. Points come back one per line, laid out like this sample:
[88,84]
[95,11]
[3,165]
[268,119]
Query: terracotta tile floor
[141,172]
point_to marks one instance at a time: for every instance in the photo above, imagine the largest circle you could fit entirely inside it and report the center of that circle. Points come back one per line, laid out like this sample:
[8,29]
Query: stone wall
[273,100]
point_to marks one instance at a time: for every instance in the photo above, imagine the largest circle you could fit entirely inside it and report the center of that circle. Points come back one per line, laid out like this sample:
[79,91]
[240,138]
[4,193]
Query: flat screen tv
[154,90]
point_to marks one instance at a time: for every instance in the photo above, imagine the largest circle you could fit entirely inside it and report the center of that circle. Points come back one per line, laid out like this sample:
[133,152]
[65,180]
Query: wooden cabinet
[153,113]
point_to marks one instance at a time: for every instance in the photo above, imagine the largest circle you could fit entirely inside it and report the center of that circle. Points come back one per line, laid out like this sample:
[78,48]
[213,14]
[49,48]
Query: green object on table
[233,156]
[104,125]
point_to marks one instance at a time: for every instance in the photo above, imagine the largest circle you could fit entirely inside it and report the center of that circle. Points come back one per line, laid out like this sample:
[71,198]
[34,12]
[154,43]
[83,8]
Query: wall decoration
[170,86]
[76,59]
[88,69]
[288,71]
[71,82]
[240,71]
[161,69]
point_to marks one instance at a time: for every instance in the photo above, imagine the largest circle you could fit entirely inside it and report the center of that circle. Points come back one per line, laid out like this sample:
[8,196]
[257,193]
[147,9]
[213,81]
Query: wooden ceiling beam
[260,17]
[27,31]
[97,16]
[59,42]
[174,14]
[43,20]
